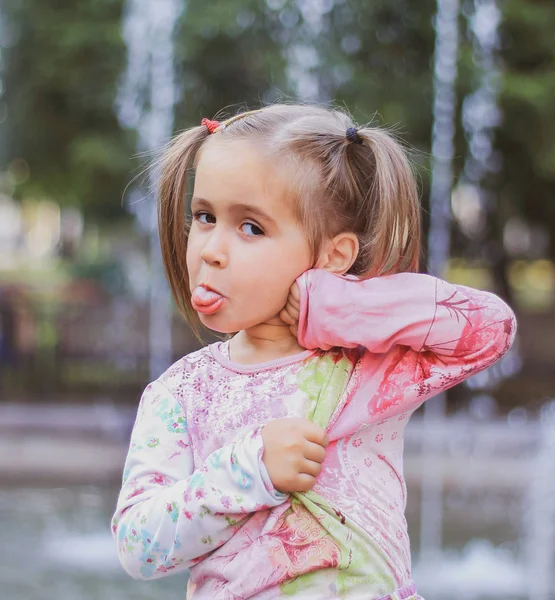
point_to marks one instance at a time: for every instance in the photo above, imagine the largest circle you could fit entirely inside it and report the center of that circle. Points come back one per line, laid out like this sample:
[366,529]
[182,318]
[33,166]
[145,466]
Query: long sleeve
[169,514]
[421,334]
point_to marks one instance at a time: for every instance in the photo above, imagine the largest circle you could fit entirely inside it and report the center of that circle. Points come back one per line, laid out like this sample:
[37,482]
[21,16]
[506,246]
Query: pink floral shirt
[196,494]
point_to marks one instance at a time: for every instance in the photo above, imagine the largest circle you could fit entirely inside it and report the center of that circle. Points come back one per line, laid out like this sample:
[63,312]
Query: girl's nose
[214,253]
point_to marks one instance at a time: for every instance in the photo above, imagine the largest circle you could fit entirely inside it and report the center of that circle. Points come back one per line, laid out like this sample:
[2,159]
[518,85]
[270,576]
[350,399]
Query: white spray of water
[445,73]
[302,56]
[539,524]
[146,102]
[481,117]
[481,113]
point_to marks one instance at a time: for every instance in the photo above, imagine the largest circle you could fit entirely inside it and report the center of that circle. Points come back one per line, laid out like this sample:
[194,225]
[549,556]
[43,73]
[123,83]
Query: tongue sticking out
[206,301]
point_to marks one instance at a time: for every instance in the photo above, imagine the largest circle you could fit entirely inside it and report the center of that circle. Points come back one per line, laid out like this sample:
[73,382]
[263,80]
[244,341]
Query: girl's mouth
[206,301]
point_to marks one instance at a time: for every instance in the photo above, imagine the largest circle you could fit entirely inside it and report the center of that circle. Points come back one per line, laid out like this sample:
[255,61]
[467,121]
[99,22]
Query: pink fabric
[195,491]
[421,335]
[402,594]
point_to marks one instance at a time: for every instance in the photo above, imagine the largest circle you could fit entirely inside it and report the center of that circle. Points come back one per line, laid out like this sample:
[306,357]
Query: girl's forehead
[227,167]
[218,151]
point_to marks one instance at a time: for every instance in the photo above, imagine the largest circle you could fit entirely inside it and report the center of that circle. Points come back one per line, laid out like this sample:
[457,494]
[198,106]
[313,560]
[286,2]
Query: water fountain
[145,102]
[481,569]
[539,522]
[481,116]
[302,54]
[445,73]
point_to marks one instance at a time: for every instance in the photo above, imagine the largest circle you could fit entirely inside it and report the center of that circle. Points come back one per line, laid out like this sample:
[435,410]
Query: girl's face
[245,242]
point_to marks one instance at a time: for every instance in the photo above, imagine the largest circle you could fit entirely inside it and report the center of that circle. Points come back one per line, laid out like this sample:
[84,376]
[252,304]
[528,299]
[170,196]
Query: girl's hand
[294,450]
[292,310]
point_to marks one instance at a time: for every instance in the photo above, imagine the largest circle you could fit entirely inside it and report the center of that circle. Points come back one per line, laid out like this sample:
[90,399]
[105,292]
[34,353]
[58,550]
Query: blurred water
[57,546]
[439,243]
[443,133]
[540,517]
[481,112]
[479,571]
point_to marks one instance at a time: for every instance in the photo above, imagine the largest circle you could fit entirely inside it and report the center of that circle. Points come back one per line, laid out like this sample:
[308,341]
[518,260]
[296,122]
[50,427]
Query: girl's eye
[251,229]
[204,218]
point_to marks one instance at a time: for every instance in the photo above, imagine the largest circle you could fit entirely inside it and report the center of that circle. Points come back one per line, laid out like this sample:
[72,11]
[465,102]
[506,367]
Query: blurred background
[89,90]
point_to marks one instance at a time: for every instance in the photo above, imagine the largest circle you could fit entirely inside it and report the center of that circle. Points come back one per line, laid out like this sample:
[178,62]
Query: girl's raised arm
[422,334]
[169,514]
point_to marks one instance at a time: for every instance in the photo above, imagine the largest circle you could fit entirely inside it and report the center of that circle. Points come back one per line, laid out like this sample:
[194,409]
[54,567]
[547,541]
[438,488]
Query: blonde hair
[336,185]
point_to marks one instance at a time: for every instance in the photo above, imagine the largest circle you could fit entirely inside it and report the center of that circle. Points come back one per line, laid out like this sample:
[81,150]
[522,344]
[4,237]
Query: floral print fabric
[195,491]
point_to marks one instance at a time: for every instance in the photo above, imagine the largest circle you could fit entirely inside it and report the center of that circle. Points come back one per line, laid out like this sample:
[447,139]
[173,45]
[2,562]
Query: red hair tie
[210,125]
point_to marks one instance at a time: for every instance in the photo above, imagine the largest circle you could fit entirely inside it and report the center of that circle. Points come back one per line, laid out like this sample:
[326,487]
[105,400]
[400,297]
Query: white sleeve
[169,515]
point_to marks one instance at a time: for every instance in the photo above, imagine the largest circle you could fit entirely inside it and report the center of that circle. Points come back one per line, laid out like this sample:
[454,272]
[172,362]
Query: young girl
[270,464]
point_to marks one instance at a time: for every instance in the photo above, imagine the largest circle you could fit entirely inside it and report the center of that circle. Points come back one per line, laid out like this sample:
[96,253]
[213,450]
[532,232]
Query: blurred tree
[62,66]
[62,71]
[377,60]
[230,54]
[526,138]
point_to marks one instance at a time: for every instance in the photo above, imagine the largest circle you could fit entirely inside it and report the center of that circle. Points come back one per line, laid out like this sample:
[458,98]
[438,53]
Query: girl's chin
[218,323]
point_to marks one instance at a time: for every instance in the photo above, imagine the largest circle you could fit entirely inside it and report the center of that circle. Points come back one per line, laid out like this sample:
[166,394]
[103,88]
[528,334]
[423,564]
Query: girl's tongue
[206,301]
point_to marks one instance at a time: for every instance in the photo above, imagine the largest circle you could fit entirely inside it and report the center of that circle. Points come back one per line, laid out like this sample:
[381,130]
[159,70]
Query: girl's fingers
[293,310]
[304,482]
[294,305]
[314,452]
[294,302]
[286,317]
[289,314]
[295,292]
[311,467]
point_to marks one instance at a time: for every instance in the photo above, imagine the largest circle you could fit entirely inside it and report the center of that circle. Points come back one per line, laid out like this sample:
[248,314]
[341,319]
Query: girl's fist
[292,310]
[294,450]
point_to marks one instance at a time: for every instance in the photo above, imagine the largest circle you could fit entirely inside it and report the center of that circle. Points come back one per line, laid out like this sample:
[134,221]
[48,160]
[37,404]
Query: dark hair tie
[352,135]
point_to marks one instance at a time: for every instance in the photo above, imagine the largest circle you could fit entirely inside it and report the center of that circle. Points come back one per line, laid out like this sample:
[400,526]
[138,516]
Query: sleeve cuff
[256,444]
[302,335]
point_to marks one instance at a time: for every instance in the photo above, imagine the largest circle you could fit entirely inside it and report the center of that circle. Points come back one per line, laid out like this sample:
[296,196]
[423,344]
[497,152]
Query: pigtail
[176,165]
[390,239]
[359,180]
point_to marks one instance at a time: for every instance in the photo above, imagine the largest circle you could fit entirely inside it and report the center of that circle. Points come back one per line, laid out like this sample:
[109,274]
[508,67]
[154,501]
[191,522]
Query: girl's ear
[339,254]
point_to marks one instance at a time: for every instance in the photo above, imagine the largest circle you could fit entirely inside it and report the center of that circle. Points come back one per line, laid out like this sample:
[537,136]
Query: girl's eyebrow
[200,201]
[237,208]
[254,210]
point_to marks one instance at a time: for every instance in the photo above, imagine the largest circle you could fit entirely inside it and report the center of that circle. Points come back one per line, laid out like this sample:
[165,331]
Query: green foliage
[61,77]
[108,273]
[229,55]
[387,46]
[527,136]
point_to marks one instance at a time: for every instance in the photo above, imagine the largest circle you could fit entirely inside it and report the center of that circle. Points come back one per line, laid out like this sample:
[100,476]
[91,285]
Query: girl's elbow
[132,567]
[130,551]
[146,570]
[501,338]
[502,328]
[507,330]
[141,568]
[143,560]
